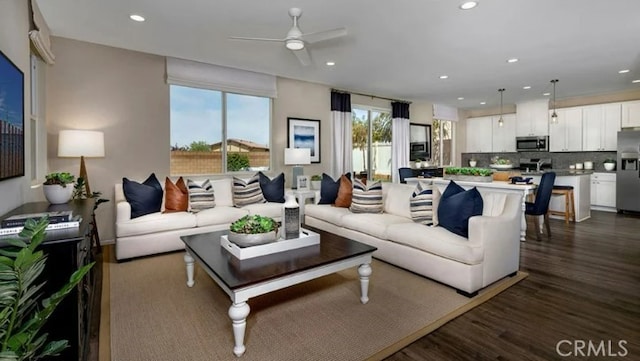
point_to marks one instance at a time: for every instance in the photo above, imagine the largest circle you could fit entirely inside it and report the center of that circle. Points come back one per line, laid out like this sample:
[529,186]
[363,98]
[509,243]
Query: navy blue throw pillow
[145,197]
[272,189]
[457,206]
[329,188]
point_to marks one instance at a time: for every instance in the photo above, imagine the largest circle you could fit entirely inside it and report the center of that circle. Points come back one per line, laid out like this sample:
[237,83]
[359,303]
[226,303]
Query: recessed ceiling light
[468,5]
[636,81]
[460,98]
[546,94]
[623,71]
[137,18]
[444,76]
[331,63]
[512,60]
[526,87]
[483,103]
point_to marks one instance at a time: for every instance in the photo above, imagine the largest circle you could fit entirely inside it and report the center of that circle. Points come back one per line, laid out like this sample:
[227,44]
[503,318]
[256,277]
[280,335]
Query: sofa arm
[123,211]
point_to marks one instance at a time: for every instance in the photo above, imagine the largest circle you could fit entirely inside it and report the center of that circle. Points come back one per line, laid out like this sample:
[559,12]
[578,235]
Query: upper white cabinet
[504,137]
[533,118]
[631,114]
[600,126]
[479,135]
[566,134]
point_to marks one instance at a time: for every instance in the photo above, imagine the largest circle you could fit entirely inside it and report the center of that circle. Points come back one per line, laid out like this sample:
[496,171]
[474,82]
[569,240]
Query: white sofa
[160,232]
[491,252]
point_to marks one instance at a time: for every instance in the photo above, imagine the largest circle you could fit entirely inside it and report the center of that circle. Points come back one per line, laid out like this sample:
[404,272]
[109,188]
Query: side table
[302,197]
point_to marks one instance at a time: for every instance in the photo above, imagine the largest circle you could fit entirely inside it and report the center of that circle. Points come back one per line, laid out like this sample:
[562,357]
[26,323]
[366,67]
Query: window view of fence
[371,138]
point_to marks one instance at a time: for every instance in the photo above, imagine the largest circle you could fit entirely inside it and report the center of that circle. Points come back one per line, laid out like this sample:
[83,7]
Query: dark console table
[67,250]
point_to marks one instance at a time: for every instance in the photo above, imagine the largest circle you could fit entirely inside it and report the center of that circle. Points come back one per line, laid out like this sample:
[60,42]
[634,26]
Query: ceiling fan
[297,41]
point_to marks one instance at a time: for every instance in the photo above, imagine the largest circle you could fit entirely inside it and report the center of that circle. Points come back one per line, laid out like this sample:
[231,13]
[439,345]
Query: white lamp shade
[297,156]
[77,143]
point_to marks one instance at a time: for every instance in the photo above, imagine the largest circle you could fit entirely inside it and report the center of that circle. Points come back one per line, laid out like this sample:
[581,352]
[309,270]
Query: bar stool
[569,203]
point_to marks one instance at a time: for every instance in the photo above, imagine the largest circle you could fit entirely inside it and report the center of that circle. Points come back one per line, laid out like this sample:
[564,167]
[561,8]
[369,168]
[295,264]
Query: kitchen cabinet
[603,191]
[630,114]
[566,134]
[479,135]
[532,118]
[600,126]
[581,194]
[504,137]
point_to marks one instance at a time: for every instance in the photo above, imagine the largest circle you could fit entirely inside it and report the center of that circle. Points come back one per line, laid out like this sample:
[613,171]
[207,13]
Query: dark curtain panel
[341,102]
[399,110]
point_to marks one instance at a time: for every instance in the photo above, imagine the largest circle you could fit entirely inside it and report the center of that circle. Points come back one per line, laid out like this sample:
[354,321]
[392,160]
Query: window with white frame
[217,132]
[442,139]
[371,139]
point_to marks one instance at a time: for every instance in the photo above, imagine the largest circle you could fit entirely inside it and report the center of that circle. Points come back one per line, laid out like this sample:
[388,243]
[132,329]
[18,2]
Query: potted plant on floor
[252,230]
[57,187]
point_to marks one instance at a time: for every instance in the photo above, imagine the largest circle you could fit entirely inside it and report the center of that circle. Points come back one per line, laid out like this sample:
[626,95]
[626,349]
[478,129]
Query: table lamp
[296,157]
[81,143]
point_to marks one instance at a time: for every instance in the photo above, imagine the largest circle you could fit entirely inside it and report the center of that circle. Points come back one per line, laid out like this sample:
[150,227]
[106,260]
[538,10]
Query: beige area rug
[155,316]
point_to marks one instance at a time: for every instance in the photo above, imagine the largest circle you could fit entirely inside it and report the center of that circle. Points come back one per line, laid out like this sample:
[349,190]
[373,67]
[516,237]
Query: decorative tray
[501,166]
[307,238]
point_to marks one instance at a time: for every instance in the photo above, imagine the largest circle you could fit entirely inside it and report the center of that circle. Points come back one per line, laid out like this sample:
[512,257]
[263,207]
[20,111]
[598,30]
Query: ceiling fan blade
[324,35]
[303,56]
[258,39]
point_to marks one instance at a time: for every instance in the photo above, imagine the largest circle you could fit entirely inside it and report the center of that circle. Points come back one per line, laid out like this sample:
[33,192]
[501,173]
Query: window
[442,142]
[371,138]
[217,132]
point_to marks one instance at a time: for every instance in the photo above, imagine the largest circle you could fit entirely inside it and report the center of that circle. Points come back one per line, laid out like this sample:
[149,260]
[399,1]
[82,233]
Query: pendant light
[500,121]
[554,115]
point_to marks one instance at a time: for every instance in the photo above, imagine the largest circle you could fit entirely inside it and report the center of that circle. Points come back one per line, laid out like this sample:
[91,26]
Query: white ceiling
[394,48]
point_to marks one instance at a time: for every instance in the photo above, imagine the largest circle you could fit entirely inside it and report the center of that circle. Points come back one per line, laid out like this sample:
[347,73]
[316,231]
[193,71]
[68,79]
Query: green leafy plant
[253,224]
[237,161]
[21,317]
[199,146]
[316,177]
[469,171]
[609,161]
[62,178]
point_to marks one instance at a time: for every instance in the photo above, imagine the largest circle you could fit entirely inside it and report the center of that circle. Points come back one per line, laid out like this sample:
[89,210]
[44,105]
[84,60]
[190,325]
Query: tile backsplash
[558,160]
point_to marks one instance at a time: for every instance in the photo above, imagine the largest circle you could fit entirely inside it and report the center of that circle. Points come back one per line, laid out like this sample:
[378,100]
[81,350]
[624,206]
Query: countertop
[562,172]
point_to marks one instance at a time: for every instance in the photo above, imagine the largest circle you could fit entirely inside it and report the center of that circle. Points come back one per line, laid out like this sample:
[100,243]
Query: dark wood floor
[583,286]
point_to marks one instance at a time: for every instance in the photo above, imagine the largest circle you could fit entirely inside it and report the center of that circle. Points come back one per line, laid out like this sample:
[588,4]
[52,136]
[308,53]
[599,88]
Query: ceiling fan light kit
[294,44]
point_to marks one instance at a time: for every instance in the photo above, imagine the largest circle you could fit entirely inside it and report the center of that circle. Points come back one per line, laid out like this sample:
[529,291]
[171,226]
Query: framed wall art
[304,133]
[11,119]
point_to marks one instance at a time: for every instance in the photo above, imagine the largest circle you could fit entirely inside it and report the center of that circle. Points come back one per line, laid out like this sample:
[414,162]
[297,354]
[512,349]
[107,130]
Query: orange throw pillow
[176,196]
[345,193]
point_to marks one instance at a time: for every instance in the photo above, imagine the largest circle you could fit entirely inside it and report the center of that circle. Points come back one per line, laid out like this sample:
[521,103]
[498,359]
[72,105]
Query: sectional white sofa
[491,252]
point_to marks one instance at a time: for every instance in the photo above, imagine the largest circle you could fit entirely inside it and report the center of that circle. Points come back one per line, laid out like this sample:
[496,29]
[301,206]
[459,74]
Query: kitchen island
[581,182]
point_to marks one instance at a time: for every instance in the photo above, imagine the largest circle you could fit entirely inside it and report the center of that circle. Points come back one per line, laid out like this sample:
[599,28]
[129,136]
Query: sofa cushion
[272,189]
[176,196]
[436,240]
[201,196]
[248,192]
[271,209]
[457,206]
[372,224]
[156,222]
[145,197]
[345,193]
[366,198]
[397,199]
[219,215]
[223,189]
[329,189]
[326,213]
[421,204]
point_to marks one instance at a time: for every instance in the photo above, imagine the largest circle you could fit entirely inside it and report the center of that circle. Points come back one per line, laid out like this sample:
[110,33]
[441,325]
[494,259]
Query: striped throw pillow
[366,198]
[245,193]
[422,204]
[201,196]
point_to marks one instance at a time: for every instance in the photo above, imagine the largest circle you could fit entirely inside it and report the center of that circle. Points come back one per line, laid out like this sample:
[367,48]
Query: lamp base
[295,172]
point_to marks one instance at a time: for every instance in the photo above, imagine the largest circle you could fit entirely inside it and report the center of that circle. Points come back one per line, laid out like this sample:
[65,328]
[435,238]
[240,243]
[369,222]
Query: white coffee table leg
[188,260]
[238,313]
[364,271]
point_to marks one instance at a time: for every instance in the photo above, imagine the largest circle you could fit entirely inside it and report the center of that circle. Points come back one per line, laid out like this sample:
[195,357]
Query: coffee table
[244,279]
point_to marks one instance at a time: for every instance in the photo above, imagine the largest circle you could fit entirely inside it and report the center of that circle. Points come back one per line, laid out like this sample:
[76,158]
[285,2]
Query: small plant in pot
[58,187]
[609,164]
[316,181]
[252,230]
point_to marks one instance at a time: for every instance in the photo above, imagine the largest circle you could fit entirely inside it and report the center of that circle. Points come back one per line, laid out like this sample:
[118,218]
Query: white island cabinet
[581,193]
[603,191]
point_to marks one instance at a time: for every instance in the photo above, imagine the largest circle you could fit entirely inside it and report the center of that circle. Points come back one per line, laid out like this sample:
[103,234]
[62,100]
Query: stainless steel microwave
[532,144]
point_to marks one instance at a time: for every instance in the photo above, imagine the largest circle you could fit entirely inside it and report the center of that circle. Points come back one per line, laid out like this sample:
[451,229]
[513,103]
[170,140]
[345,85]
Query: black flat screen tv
[11,119]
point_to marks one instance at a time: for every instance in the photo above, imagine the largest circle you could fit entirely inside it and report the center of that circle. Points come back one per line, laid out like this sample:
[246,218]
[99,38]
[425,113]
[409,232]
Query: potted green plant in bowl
[609,164]
[471,174]
[252,230]
[58,187]
[316,181]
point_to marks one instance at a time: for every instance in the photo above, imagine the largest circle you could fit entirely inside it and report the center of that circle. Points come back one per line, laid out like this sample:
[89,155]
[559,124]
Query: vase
[57,194]
[468,178]
[248,240]
[316,185]
[290,217]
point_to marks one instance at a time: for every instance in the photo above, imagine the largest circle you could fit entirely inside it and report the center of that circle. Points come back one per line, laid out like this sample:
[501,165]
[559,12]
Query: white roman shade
[39,35]
[209,76]
[444,112]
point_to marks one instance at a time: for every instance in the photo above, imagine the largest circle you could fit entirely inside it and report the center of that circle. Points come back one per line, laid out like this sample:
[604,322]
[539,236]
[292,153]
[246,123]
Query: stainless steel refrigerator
[628,171]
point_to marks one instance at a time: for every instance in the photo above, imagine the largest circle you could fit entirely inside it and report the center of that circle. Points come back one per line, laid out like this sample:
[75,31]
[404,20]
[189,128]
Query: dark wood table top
[236,273]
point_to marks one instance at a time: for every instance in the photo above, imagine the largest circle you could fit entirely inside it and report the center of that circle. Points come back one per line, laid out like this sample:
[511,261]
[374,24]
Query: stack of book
[57,220]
